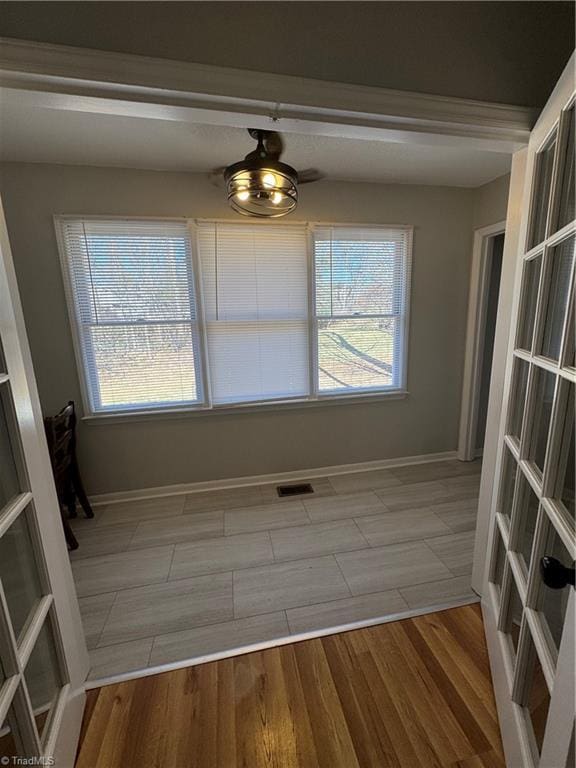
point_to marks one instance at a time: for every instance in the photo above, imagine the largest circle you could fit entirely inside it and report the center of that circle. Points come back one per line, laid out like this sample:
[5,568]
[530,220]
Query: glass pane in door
[499,561]
[566,206]
[541,197]
[553,602]
[538,699]
[9,480]
[541,417]
[19,572]
[42,675]
[513,620]
[507,484]
[565,484]
[570,345]
[10,741]
[562,258]
[530,282]
[568,484]
[525,521]
[518,398]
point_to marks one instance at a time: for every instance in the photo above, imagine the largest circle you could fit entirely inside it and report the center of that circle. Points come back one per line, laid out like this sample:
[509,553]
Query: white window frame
[205,405]
[82,342]
[403,316]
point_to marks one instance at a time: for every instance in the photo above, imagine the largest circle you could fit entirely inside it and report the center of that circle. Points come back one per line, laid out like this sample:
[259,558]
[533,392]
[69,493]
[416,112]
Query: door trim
[476,325]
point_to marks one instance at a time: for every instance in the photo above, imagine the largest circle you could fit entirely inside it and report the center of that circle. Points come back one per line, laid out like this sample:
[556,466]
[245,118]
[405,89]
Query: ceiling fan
[261,185]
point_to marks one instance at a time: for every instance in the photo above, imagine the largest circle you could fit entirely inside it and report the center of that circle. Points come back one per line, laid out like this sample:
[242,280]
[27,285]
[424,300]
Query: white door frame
[475,336]
[48,539]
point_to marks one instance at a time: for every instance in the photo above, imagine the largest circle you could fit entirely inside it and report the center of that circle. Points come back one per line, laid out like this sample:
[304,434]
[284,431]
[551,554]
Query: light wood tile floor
[415,693]
[175,578]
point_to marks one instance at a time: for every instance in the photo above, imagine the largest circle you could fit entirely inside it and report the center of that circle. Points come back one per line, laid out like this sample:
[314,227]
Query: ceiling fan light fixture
[262,188]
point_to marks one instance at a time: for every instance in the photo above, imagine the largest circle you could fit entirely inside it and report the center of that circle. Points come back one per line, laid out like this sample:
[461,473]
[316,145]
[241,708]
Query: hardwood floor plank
[417,703]
[473,688]
[470,664]
[332,737]
[280,738]
[384,702]
[262,739]
[144,737]
[369,734]
[460,735]
[467,628]
[409,694]
[186,707]
[305,746]
[448,694]
[489,759]
[91,700]
[105,739]
[226,744]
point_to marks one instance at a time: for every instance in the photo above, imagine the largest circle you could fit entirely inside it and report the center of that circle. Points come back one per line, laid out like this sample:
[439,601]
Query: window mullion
[202,368]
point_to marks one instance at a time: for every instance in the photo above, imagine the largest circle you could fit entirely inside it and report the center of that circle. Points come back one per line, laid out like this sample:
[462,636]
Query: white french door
[528,599]
[43,657]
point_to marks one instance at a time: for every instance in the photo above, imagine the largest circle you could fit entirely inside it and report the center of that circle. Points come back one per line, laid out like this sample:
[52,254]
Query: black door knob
[555,575]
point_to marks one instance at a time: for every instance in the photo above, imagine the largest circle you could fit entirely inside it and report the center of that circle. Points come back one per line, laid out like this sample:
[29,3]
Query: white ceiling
[31,133]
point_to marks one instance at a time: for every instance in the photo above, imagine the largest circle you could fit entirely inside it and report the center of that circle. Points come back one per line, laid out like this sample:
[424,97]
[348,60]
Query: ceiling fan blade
[308,175]
[274,143]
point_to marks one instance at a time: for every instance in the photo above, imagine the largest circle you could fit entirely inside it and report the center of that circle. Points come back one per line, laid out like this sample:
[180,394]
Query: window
[361,300]
[278,312]
[255,281]
[132,299]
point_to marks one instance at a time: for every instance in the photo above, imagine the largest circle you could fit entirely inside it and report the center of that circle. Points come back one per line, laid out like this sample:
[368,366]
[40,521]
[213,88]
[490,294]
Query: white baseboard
[287,640]
[277,477]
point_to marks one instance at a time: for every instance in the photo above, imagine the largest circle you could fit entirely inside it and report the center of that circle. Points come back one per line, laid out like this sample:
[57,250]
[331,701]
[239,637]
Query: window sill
[228,410]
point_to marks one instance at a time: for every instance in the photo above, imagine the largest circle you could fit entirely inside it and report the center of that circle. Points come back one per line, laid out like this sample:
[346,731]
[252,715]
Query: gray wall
[497,51]
[123,455]
[490,202]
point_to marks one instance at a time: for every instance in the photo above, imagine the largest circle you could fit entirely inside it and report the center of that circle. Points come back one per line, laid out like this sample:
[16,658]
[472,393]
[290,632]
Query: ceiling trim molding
[90,80]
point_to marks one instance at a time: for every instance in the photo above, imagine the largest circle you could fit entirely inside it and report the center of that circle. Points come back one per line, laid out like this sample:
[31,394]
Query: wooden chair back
[61,437]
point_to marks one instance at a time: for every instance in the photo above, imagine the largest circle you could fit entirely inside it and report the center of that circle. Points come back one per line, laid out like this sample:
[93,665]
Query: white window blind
[362,280]
[255,293]
[131,294]
[143,336]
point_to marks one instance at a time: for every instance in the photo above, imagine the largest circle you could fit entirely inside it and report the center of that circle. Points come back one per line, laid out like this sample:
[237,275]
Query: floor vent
[294,490]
